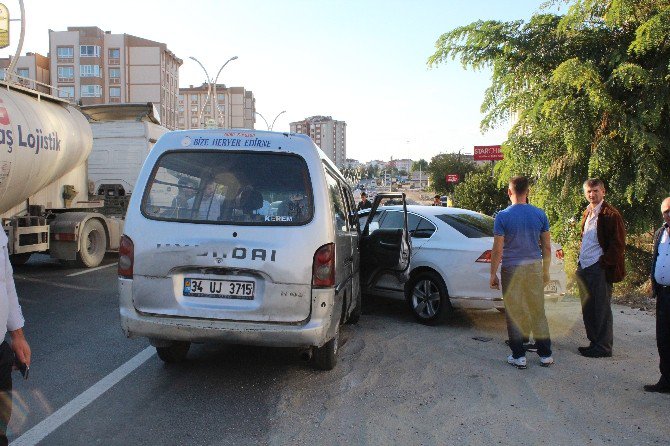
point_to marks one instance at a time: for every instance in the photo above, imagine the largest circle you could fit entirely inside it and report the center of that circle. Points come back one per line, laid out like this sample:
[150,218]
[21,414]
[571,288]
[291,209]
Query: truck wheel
[93,244]
[176,352]
[325,357]
[19,259]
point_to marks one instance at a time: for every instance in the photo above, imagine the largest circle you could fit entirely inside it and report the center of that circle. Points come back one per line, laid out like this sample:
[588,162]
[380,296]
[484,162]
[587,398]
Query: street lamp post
[211,86]
[270,126]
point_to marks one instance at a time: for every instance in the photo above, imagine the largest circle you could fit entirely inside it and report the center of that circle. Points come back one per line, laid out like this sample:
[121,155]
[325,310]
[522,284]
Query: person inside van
[180,205]
[210,205]
[295,207]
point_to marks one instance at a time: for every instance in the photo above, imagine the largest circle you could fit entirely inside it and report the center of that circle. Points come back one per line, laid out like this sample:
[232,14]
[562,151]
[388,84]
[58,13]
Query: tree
[448,163]
[480,192]
[590,94]
[421,165]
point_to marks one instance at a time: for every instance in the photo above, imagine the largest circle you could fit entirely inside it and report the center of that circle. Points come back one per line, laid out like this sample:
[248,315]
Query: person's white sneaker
[519,363]
[546,361]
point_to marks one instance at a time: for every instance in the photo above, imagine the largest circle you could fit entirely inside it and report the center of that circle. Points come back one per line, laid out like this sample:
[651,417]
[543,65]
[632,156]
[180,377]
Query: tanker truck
[44,189]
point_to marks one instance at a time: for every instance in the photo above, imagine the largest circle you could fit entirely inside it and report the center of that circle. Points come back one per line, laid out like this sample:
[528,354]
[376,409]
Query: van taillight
[323,267]
[559,254]
[126,257]
[485,257]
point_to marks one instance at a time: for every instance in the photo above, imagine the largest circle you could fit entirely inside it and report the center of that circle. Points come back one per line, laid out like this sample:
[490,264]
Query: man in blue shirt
[523,244]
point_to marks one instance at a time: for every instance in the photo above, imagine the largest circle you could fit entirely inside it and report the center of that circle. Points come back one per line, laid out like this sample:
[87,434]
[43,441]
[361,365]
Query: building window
[114,73]
[89,70]
[114,53]
[91,91]
[89,51]
[23,72]
[66,92]
[65,74]
[65,52]
[114,92]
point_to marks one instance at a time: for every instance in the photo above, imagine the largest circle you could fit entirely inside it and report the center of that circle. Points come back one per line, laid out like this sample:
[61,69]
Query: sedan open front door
[384,250]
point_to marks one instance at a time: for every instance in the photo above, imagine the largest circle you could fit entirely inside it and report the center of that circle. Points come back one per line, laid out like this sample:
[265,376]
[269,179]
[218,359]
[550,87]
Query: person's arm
[15,319]
[496,257]
[617,244]
[545,245]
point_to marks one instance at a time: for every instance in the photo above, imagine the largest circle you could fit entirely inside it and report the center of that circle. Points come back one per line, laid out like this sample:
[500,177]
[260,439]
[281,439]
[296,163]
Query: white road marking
[62,415]
[90,270]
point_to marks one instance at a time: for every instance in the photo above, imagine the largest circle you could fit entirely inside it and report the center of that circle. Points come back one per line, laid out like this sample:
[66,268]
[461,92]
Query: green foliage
[448,163]
[421,165]
[480,192]
[589,93]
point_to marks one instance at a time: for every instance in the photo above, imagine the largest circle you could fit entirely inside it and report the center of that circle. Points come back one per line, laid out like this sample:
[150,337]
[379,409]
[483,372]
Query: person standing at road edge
[364,203]
[436,201]
[601,264]
[523,243]
[12,320]
[660,288]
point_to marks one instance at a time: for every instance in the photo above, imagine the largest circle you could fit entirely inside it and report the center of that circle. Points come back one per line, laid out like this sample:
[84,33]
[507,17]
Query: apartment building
[97,67]
[330,135]
[30,68]
[228,107]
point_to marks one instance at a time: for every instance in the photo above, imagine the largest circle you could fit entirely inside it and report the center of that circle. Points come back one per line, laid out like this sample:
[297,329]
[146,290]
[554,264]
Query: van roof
[240,139]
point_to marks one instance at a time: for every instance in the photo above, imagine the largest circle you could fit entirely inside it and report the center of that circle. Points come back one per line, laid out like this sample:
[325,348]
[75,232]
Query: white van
[246,237]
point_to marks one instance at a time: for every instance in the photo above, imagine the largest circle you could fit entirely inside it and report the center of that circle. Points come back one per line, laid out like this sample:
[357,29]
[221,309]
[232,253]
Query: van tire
[175,352]
[355,315]
[428,310]
[325,357]
[94,244]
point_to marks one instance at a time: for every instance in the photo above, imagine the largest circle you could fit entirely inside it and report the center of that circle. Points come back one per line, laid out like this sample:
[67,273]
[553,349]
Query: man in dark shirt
[364,203]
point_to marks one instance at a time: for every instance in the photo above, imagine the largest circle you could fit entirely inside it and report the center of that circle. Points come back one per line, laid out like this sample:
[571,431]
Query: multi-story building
[97,67]
[30,68]
[403,164]
[330,135]
[233,107]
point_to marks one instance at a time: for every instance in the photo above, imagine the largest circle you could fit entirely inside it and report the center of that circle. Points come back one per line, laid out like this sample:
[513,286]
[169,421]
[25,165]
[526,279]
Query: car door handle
[388,245]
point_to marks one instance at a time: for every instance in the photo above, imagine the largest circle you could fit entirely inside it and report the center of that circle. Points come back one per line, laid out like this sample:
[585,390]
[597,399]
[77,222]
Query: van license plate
[228,289]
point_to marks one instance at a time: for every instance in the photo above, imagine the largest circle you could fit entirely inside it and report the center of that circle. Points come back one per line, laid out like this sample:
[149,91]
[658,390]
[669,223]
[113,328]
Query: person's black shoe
[583,349]
[593,353]
[658,387]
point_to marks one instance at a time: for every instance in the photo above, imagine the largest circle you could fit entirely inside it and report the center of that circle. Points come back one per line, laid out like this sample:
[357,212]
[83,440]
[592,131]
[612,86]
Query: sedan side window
[424,229]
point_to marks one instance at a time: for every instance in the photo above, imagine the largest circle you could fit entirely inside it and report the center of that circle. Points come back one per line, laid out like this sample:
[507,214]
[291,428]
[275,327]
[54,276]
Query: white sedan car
[450,261]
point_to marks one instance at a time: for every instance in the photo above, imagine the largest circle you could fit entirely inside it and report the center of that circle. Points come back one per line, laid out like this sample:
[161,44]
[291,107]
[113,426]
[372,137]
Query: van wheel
[427,297]
[325,358]
[176,352]
[19,259]
[357,310]
[94,244]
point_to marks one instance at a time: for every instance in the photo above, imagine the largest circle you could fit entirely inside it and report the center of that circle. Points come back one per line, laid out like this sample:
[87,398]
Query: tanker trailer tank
[44,203]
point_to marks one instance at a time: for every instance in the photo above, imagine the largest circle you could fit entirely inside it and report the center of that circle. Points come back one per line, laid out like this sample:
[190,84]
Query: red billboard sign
[488,153]
[451,178]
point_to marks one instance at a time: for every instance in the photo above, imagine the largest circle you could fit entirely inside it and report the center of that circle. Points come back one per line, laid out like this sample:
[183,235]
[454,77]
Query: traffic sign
[488,153]
[451,178]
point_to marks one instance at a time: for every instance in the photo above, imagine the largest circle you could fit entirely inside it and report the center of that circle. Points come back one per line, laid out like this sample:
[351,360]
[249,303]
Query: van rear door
[210,244]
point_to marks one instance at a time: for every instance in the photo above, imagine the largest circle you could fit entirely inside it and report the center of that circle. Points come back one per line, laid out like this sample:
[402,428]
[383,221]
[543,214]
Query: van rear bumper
[318,329]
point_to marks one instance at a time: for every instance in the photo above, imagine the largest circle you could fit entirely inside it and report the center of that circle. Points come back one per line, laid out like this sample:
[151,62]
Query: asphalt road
[397,382]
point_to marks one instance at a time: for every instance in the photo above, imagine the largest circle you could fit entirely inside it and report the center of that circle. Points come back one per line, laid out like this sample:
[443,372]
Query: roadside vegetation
[588,93]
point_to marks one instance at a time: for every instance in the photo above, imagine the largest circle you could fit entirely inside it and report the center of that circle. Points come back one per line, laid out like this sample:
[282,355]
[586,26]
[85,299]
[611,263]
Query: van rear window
[217,187]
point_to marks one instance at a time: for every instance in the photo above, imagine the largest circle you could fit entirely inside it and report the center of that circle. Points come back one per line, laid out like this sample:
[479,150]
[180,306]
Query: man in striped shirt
[601,263]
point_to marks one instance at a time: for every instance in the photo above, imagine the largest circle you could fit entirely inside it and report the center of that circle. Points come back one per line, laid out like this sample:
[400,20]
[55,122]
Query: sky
[359,61]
